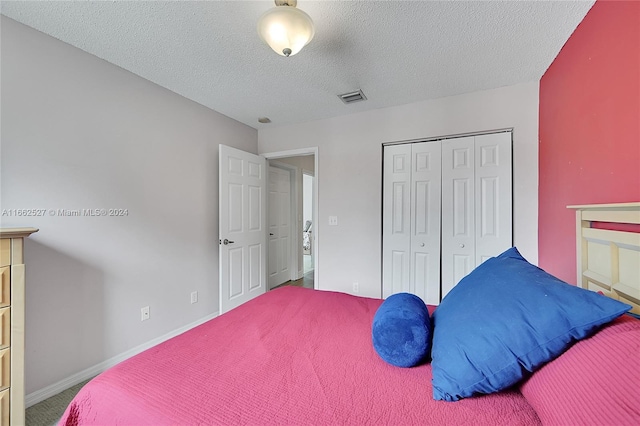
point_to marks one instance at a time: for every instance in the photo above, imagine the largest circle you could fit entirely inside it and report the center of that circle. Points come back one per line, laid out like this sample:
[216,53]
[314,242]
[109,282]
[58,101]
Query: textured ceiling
[397,52]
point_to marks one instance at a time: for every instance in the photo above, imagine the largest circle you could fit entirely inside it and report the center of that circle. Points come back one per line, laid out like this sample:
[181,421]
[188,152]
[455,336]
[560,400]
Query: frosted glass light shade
[285,29]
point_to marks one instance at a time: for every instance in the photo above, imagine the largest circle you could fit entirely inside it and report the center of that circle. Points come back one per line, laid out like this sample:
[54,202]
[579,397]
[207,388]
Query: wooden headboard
[609,260]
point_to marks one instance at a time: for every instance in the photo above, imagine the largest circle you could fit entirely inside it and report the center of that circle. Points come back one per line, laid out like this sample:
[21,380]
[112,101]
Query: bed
[302,356]
[607,240]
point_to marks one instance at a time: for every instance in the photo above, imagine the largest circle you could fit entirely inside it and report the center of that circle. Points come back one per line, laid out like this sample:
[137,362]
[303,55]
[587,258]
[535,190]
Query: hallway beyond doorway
[307,277]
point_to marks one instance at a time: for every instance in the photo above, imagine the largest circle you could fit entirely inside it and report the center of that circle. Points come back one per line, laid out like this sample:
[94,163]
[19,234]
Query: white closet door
[396,225]
[458,211]
[425,221]
[494,220]
[447,207]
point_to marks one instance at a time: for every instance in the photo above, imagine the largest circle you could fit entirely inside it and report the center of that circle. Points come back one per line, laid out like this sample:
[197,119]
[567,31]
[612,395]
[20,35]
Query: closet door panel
[493,190]
[425,221]
[458,210]
[396,224]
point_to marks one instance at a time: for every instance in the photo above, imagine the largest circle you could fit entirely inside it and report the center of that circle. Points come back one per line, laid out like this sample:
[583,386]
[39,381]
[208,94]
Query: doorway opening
[292,251]
[307,219]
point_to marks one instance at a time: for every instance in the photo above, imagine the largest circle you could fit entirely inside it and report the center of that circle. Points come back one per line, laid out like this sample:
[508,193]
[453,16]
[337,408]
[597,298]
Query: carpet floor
[49,411]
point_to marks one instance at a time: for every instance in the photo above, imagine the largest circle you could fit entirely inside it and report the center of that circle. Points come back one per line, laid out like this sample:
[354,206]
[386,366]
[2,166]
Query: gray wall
[80,133]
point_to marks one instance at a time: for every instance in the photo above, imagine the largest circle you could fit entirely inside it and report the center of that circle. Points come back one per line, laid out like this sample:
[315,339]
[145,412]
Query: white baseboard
[64,384]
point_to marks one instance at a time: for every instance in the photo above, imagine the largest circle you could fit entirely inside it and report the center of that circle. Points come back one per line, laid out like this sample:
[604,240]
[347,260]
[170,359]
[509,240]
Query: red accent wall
[589,147]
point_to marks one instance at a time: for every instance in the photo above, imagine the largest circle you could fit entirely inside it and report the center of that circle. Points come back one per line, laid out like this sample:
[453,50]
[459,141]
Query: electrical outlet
[194,297]
[333,220]
[356,288]
[144,313]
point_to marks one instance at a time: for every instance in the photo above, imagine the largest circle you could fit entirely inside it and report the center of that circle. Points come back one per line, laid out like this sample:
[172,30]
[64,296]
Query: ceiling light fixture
[286,29]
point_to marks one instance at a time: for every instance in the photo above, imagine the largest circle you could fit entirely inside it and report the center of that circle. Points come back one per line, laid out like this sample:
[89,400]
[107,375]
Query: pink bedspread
[291,356]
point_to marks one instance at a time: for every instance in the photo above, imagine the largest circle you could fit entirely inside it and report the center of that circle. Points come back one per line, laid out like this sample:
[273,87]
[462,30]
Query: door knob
[461,245]
[225,242]
[421,244]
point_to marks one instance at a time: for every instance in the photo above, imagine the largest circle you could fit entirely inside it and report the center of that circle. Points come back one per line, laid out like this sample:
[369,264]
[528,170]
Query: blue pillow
[510,253]
[507,318]
[402,330]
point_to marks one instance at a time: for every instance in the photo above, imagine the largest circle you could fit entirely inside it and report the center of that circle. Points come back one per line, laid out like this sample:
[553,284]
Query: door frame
[299,153]
[313,175]
[293,212]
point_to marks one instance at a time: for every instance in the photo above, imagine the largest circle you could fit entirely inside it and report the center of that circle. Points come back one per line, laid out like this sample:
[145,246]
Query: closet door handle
[225,242]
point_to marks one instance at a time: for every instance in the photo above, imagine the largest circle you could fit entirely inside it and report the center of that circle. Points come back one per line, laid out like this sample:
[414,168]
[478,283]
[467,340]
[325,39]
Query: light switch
[333,220]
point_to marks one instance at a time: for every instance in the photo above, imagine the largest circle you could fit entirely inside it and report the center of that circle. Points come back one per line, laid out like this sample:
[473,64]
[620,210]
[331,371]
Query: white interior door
[477,203]
[411,224]
[458,218]
[425,221]
[396,224]
[242,227]
[494,213]
[447,207]
[279,226]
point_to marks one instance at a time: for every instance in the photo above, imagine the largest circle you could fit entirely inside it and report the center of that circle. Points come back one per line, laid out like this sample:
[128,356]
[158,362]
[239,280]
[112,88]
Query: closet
[447,207]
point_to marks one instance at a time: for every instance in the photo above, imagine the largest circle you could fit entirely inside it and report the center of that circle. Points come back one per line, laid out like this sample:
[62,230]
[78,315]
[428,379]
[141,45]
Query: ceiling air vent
[351,97]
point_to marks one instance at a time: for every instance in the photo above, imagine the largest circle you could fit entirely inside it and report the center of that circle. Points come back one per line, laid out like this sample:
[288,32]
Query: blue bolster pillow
[402,330]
